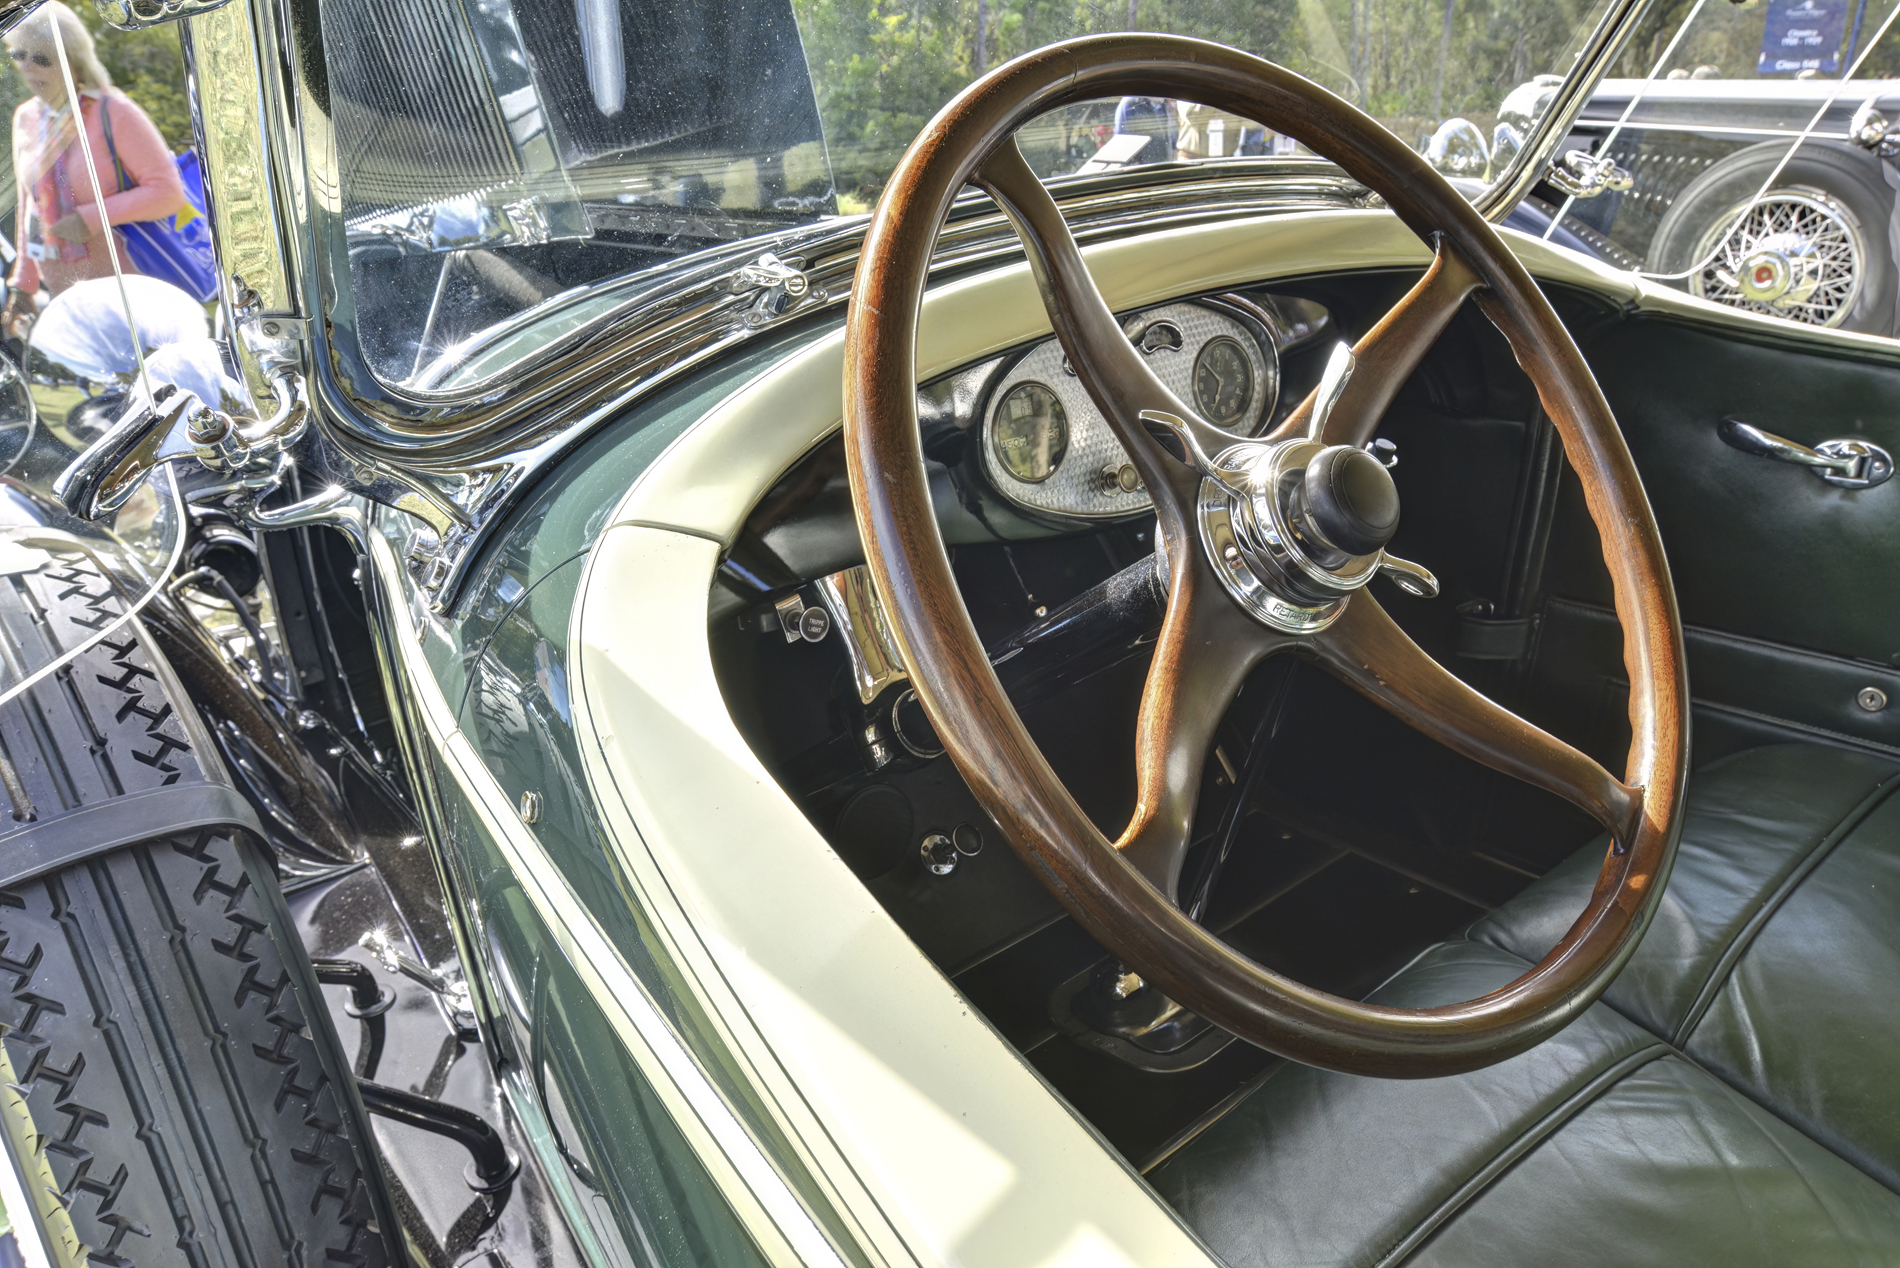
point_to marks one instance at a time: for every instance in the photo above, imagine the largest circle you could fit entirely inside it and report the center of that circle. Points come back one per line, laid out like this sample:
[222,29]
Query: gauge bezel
[1253,384]
[992,428]
[1082,488]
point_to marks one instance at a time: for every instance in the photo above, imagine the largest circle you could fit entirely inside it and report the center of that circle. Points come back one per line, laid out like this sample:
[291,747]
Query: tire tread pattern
[155,1033]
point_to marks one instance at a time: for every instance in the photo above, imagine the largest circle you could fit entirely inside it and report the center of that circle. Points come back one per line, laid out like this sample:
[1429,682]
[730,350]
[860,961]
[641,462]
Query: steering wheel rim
[1121,892]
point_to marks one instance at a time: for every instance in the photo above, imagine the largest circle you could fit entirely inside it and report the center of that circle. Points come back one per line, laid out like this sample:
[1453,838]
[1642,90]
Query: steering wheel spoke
[1366,649]
[1115,373]
[1206,648]
[1391,350]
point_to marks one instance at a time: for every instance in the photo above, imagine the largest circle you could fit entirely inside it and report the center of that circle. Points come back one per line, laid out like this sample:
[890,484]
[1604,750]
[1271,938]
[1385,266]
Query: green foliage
[148,67]
[884,67]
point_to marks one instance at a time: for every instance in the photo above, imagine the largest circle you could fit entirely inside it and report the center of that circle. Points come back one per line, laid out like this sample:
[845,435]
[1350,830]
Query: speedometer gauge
[1223,381]
[1031,432]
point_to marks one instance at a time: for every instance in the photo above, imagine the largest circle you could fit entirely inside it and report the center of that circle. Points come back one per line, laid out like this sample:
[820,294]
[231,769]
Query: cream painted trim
[959,1144]
[778,1222]
[702,485]
[1559,264]
[713,474]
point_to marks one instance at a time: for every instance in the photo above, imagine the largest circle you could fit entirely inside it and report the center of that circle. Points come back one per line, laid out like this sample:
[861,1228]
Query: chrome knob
[939,854]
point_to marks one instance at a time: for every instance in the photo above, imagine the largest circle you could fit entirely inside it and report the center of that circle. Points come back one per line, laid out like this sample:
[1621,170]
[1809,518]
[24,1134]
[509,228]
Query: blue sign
[1803,35]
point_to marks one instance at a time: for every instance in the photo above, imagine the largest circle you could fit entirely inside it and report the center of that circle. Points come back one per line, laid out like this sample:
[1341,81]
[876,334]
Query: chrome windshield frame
[405,420]
[1594,60]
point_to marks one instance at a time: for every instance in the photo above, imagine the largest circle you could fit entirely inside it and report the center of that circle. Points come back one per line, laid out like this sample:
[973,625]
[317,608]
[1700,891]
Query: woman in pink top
[61,235]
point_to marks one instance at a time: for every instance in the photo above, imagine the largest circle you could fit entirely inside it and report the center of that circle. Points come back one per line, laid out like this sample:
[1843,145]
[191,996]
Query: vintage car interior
[1716,1106]
[629,688]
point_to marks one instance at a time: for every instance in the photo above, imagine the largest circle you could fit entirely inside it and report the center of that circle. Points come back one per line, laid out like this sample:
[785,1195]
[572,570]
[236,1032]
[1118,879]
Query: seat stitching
[1739,944]
[1573,1105]
[1221,1109]
[1806,729]
[1522,1144]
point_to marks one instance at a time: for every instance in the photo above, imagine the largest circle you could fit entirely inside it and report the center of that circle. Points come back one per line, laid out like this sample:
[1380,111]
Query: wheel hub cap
[1795,253]
[1765,277]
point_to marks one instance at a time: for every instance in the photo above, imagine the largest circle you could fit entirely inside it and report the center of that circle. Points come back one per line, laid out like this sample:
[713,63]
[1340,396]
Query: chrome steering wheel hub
[1268,557]
[1292,527]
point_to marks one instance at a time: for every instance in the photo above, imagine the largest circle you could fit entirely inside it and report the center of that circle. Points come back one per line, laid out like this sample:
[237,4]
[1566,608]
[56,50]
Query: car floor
[1322,915]
[1319,885]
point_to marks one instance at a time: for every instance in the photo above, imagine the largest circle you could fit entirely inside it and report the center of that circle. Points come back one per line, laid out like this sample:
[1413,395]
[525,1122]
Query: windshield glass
[496,161]
[1745,154]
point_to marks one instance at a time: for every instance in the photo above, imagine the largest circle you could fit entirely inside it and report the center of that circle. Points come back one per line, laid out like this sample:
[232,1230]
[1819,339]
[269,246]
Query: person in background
[1152,117]
[59,220]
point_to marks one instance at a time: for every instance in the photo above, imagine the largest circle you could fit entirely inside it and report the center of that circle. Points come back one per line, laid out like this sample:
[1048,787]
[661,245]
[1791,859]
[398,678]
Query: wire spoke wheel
[1797,254]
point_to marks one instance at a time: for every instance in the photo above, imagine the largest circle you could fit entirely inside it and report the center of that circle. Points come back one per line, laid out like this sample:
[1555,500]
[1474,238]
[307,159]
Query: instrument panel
[1045,447]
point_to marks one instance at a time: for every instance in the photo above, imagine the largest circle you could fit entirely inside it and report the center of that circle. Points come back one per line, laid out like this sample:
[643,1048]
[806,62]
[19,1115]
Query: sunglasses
[40,60]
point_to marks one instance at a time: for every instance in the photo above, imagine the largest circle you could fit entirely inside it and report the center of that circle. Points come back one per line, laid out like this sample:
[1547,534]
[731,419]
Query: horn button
[1294,528]
[1348,502]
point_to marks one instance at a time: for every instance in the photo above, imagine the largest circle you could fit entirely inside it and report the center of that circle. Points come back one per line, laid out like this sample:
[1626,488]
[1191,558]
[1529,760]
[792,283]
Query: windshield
[496,161]
[1745,154]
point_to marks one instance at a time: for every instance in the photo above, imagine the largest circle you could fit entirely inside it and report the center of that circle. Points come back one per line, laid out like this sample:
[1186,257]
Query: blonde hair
[35,32]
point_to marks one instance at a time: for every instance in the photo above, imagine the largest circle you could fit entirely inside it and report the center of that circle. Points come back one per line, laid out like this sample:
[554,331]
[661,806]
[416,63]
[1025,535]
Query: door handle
[1849,464]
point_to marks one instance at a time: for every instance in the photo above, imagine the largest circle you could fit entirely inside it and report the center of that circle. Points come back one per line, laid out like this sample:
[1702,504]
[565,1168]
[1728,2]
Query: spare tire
[1817,248]
[171,1088]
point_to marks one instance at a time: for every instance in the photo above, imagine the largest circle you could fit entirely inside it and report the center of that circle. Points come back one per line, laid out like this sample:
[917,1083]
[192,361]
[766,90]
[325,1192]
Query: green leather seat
[1734,1099]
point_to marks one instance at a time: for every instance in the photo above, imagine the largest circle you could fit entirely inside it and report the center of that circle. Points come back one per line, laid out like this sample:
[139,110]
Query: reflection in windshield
[1750,176]
[495,160]
[492,158]
[109,273]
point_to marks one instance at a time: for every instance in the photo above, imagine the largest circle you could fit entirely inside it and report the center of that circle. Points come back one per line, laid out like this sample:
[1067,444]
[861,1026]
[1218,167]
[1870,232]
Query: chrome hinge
[432,555]
[1584,175]
[781,285]
[1871,130]
[175,426]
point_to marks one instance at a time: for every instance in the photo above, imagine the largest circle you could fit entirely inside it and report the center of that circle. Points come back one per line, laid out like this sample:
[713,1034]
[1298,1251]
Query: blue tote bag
[177,248]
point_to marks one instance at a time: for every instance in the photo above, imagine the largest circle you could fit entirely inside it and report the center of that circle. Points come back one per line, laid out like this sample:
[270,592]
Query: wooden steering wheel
[1253,569]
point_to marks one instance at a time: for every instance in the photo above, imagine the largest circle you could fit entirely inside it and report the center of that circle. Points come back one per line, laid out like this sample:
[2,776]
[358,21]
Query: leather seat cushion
[1732,1100]
[1775,960]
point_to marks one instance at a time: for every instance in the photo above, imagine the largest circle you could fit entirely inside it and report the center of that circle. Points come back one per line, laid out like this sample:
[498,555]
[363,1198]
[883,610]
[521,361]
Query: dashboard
[1043,446]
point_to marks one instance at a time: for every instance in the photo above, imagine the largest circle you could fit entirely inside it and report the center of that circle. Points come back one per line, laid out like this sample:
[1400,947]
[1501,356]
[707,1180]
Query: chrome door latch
[1848,464]
[1584,175]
